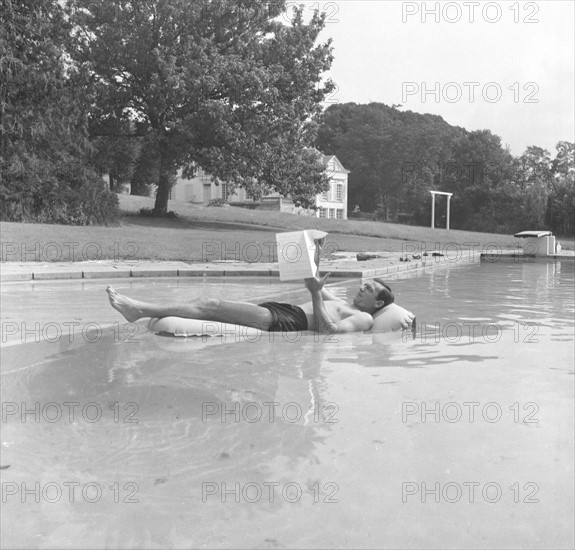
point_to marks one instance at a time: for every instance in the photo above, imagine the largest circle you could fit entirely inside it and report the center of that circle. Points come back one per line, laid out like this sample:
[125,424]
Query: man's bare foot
[129,308]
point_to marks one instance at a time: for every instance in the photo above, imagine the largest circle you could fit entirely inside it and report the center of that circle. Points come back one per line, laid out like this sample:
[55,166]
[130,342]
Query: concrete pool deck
[345,266]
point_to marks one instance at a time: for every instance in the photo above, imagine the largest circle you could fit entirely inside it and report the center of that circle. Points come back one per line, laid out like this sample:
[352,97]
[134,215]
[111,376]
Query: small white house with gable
[331,204]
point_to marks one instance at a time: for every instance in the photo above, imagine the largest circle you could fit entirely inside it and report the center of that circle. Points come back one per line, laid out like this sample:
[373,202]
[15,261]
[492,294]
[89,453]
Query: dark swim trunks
[286,318]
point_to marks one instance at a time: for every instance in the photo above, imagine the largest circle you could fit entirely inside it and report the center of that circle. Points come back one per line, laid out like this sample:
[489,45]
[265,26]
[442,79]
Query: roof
[326,158]
[525,234]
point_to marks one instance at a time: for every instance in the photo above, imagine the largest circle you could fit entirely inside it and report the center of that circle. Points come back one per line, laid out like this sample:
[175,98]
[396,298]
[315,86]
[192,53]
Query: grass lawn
[205,234]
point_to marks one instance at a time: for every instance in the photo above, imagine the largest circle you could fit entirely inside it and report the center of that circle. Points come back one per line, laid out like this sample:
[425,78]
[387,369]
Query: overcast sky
[515,57]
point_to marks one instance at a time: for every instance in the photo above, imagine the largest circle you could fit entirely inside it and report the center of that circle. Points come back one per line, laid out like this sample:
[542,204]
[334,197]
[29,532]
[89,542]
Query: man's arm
[360,321]
[327,295]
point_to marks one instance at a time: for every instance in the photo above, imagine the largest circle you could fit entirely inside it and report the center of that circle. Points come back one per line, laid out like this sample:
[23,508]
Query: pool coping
[105,269]
[346,268]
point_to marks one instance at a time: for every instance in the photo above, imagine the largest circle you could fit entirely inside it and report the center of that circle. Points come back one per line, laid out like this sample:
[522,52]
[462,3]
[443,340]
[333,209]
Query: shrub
[218,202]
[365,216]
[73,198]
[91,204]
[250,205]
[149,213]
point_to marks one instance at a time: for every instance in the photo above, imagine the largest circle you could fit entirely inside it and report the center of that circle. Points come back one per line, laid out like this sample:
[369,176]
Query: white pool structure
[457,436]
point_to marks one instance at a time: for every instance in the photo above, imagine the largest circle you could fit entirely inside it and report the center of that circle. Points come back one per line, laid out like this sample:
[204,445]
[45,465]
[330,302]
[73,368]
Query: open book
[298,254]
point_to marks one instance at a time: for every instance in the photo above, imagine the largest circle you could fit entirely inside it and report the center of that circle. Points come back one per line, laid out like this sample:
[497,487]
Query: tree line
[396,158]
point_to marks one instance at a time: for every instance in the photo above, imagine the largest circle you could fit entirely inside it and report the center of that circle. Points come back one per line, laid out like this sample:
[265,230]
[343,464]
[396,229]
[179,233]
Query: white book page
[296,254]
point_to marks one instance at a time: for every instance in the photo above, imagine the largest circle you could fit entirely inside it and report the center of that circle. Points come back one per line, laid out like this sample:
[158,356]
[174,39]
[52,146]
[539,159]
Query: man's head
[373,295]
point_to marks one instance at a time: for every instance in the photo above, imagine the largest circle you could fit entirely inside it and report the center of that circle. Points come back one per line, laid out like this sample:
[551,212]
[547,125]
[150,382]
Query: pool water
[306,441]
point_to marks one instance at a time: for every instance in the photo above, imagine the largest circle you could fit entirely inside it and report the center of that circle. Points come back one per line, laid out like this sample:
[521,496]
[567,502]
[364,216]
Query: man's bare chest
[336,310]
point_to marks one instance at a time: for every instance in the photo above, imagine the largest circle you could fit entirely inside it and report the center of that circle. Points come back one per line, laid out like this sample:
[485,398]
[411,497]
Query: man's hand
[319,244]
[315,284]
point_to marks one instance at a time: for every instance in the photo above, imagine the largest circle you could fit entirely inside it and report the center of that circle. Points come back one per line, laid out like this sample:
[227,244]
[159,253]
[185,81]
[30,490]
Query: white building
[332,204]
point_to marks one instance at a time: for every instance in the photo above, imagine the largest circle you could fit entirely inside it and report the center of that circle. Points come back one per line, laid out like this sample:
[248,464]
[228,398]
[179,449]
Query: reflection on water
[186,424]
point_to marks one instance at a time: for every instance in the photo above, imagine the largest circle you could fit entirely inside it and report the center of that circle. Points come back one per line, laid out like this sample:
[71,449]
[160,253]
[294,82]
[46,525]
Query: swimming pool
[459,437]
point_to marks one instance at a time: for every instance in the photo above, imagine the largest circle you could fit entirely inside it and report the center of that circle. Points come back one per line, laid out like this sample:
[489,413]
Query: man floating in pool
[325,313]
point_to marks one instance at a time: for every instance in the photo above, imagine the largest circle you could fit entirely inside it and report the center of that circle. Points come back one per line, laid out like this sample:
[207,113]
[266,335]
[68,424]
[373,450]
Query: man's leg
[208,309]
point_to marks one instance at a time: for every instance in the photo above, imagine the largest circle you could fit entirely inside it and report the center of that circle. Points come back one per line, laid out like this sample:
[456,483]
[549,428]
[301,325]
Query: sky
[506,66]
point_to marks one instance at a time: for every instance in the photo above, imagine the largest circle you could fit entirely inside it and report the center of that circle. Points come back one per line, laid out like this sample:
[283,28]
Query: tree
[533,179]
[146,172]
[220,84]
[560,213]
[43,139]
[484,169]
[563,165]
[114,154]
[394,157]
[533,168]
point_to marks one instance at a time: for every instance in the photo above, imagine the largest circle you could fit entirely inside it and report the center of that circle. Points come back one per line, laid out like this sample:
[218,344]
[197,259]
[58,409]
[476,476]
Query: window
[204,178]
[322,212]
[339,213]
[332,213]
[328,195]
[226,190]
[339,192]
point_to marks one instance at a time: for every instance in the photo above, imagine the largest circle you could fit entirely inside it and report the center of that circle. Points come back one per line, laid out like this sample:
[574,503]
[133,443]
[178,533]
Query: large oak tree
[228,85]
